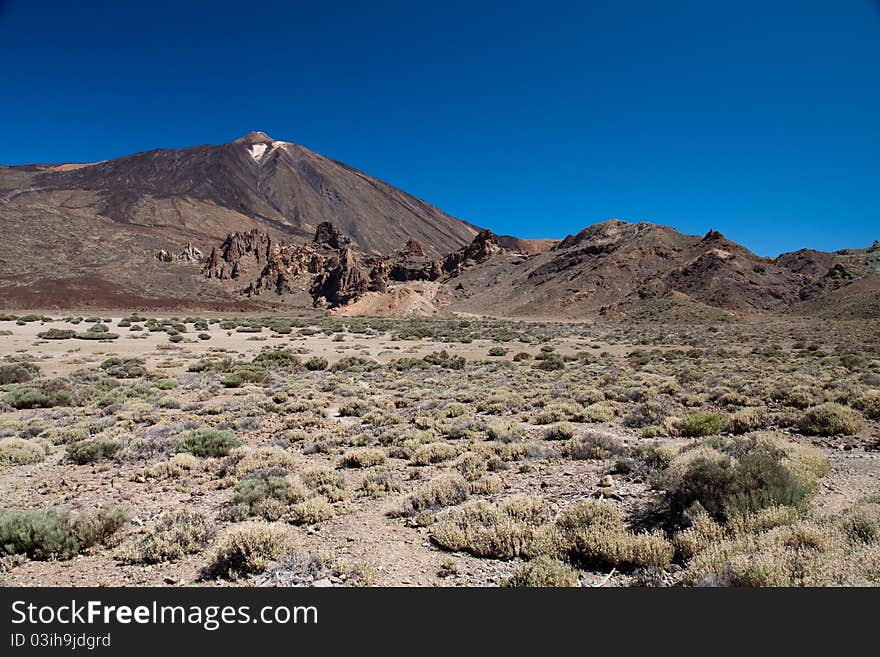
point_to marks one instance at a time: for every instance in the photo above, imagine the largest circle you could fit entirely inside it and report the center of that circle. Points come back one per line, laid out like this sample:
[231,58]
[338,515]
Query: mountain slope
[621,268]
[64,224]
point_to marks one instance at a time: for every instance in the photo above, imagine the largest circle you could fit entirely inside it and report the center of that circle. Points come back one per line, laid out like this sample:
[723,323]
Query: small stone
[322,583]
[607,481]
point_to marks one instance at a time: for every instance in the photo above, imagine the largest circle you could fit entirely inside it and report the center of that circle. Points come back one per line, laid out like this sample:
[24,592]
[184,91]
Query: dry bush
[840,550]
[363,457]
[831,419]
[175,535]
[435,452]
[19,451]
[445,490]
[593,532]
[515,527]
[248,548]
[311,511]
[544,571]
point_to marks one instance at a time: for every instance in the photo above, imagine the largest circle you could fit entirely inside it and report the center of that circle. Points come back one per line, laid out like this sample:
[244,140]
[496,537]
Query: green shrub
[743,475]
[551,363]
[94,449]
[242,375]
[831,420]
[57,334]
[54,533]
[39,395]
[281,358]
[498,351]
[209,442]
[268,493]
[695,425]
[316,363]
[97,335]
[127,368]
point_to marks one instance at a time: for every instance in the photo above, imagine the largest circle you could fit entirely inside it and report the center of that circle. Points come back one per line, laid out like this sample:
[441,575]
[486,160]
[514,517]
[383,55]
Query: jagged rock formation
[483,247]
[330,267]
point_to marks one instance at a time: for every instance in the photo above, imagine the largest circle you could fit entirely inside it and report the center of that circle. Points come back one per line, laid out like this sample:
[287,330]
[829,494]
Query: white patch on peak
[257,151]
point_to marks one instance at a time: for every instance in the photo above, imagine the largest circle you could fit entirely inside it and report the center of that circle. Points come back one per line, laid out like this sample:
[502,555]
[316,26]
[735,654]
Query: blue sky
[759,119]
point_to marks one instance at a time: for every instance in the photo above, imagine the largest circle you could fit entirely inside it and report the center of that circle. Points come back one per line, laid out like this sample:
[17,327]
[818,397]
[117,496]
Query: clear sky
[757,118]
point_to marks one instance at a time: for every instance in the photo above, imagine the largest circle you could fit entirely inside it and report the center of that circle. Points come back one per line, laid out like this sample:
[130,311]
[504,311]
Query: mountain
[80,233]
[620,268]
[265,225]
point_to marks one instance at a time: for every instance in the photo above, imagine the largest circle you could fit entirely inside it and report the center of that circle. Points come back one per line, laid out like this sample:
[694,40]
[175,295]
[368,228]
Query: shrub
[695,425]
[599,412]
[742,475]
[243,374]
[436,452]
[594,445]
[593,532]
[445,360]
[95,449]
[793,551]
[54,533]
[18,451]
[311,511]
[15,373]
[57,334]
[267,493]
[316,363]
[515,527]
[326,482]
[561,431]
[175,535]
[363,457]
[248,549]
[97,335]
[869,404]
[746,420]
[551,363]
[831,420]
[544,571]
[378,484]
[445,490]
[703,533]
[281,358]
[128,368]
[209,442]
[498,351]
[39,395]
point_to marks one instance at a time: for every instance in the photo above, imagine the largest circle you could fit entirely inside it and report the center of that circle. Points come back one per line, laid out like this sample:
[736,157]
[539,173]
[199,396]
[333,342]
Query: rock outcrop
[483,247]
[330,268]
